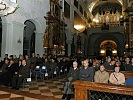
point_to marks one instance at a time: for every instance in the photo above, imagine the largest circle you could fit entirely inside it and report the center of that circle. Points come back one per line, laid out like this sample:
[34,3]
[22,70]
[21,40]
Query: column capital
[18,24]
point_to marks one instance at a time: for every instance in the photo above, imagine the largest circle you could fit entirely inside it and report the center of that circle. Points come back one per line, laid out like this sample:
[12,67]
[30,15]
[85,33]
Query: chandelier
[8,7]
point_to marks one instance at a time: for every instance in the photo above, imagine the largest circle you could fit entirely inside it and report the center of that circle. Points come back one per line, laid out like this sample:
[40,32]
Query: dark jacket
[130,67]
[24,71]
[86,74]
[127,66]
[73,74]
[4,68]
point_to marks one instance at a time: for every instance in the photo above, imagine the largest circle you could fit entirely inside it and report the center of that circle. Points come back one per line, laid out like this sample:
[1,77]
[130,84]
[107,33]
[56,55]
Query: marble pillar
[12,38]
[39,49]
[69,42]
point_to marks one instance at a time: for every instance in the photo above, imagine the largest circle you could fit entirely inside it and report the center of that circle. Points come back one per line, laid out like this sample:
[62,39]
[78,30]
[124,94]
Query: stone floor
[53,88]
[40,90]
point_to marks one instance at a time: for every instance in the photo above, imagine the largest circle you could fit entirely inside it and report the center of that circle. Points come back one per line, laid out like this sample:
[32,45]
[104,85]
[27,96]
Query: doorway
[108,52]
[29,38]
[108,48]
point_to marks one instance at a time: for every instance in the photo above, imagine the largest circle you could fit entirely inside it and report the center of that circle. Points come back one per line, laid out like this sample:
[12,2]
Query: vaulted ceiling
[95,6]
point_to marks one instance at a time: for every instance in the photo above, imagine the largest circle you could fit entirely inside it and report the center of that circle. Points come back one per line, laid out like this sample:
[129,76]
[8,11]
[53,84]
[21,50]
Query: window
[76,3]
[81,9]
[85,14]
[57,10]
[79,23]
[66,10]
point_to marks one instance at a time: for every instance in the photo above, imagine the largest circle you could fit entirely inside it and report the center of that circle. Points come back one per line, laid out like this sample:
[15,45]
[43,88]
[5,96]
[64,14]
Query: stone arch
[101,38]
[95,40]
[39,32]
[29,37]
[39,28]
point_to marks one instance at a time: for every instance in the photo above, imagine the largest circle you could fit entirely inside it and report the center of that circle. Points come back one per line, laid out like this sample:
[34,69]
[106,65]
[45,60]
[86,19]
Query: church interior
[66,49]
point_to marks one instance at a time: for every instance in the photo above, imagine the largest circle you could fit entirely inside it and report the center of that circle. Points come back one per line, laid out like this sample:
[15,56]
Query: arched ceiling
[107,6]
[93,3]
[108,43]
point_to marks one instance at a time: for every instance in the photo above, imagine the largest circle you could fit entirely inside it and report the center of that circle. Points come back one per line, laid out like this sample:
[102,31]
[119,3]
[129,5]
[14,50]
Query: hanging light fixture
[8,7]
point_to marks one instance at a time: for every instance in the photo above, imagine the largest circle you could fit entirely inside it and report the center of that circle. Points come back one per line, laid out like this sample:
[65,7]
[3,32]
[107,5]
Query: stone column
[86,45]
[4,39]
[75,43]
[72,15]
[69,42]
[130,32]
[12,39]
[39,44]
[82,43]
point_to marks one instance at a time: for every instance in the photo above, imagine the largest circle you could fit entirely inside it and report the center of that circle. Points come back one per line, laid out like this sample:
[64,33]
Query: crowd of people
[14,69]
[94,70]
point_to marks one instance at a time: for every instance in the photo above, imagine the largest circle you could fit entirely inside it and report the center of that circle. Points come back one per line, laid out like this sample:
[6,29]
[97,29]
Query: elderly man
[86,73]
[72,76]
[101,76]
[20,75]
[117,77]
[126,64]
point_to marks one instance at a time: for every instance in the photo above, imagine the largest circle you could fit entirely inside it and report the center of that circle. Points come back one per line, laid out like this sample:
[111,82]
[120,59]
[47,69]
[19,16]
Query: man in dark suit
[131,66]
[6,57]
[72,76]
[126,64]
[5,65]
[20,75]
[33,60]
[6,77]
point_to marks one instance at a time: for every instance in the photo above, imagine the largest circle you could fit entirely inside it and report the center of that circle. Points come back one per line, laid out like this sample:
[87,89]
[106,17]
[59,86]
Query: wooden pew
[82,87]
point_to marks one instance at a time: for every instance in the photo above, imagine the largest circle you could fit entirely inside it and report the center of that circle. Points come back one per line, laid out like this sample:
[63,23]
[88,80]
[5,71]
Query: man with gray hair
[72,76]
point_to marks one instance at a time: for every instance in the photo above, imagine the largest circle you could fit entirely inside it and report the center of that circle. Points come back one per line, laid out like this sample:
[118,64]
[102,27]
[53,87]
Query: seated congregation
[98,73]
[108,70]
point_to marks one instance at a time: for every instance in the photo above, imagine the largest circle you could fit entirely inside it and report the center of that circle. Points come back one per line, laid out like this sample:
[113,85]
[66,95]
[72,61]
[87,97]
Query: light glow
[114,51]
[120,1]
[95,20]
[126,46]
[102,51]
[121,16]
[79,27]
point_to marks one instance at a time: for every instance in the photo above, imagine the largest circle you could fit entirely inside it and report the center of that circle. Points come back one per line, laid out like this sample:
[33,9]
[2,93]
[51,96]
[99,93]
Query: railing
[110,24]
[82,88]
